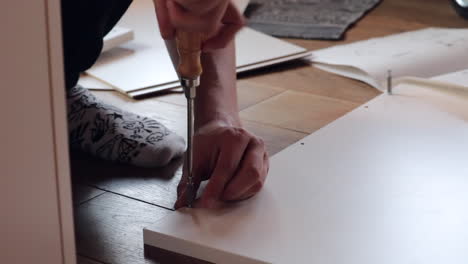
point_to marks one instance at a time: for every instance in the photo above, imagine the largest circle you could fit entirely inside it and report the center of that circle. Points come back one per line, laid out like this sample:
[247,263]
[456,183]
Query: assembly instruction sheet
[424,53]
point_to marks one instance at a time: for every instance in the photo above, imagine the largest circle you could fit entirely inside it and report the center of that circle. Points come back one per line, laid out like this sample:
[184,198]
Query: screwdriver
[189,70]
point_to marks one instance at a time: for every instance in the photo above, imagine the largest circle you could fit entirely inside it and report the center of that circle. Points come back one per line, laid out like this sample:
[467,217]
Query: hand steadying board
[387,183]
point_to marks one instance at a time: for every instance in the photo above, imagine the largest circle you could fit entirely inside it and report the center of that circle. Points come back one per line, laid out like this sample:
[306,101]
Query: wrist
[219,119]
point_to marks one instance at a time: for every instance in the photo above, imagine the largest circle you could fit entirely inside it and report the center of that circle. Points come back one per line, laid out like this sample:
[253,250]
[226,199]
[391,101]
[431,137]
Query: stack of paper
[143,66]
[458,78]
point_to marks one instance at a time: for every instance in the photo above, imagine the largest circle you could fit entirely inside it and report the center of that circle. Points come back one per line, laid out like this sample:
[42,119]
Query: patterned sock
[111,134]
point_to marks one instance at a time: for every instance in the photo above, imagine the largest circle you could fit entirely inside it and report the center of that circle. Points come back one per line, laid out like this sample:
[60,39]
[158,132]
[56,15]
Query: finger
[183,199]
[184,20]
[226,34]
[251,175]
[232,22]
[199,7]
[182,187]
[165,27]
[201,172]
[228,161]
[183,191]
[257,187]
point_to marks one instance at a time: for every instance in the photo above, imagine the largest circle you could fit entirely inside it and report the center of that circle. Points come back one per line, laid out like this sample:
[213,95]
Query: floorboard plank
[83,193]
[314,81]
[251,93]
[156,186]
[177,98]
[275,138]
[109,228]
[298,111]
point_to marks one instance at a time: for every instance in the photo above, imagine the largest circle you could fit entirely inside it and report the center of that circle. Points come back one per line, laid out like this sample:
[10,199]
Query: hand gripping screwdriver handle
[189,49]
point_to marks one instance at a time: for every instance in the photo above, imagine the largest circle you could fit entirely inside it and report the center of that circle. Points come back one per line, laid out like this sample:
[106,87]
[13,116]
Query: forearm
[217,95]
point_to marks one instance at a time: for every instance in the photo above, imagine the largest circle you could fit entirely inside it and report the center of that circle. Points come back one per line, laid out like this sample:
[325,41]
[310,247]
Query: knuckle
[228,133]
[257,187]
[244,136]
[235,135]
[242,132]
[234,132]
[254,173]
[258,141]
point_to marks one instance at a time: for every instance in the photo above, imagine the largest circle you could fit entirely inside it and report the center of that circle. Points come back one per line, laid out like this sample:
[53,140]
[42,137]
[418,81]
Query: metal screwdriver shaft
[389,82]
[189,69]
[190,93]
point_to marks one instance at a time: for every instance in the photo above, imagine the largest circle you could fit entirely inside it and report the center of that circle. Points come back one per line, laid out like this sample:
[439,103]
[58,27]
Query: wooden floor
[281,104]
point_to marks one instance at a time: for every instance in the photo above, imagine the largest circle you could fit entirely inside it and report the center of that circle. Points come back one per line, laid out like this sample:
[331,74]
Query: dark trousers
[84,24]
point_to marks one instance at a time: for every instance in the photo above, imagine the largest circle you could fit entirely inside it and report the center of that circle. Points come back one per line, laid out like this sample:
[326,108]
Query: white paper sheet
[423,53]
[141,63]
[145,62]
[458,78]
[94,84]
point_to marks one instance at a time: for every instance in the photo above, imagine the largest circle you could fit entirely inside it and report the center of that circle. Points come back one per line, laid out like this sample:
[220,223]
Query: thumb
[185,197]
[165,25]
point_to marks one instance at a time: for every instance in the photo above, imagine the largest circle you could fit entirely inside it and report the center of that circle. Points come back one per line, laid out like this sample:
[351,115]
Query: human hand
[217,20]
[233,160]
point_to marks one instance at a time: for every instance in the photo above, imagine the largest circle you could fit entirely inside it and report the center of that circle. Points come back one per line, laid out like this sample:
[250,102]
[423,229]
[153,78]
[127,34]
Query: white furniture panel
[387,183]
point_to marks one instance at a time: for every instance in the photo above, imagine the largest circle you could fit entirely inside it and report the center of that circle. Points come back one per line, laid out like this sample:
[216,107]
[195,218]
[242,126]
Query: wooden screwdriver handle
[189,49]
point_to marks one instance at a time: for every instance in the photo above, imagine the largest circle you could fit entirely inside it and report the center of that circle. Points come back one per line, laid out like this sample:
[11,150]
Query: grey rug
[308,19]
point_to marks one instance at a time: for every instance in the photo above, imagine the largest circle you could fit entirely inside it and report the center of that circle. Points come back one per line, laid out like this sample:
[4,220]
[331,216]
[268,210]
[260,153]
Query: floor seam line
[281,127]
[133,198]
[261,101]
[87,200]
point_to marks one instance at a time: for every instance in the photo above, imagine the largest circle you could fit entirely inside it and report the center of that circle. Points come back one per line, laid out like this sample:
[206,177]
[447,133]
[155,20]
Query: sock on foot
[111,134]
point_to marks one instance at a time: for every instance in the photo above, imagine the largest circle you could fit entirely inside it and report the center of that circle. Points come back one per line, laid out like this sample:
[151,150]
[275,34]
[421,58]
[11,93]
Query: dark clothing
[84,24]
